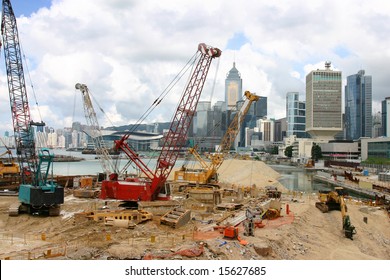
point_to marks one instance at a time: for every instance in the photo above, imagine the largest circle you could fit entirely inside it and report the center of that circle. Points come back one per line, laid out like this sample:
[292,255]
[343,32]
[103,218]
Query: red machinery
[149,187]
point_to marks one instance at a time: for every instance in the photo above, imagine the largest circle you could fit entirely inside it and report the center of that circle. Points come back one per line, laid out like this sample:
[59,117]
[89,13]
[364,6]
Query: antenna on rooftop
[327,65]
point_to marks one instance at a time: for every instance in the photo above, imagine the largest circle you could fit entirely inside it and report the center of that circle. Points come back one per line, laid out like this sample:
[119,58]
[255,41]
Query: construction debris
[120,218]
[176,218]
[104,230]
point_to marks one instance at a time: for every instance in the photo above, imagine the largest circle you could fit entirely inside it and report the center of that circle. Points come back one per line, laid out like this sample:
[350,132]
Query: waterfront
[293,178]
[297,179]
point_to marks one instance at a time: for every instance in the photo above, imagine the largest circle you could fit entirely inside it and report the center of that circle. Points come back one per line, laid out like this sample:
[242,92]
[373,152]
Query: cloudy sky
[128,51]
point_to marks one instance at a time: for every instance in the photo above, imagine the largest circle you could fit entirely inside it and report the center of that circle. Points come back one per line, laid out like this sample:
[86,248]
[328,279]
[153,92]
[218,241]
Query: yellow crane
[208,172]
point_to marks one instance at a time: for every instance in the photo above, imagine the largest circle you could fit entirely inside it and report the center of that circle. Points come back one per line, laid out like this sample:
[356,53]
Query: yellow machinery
[208,171]
[334,200]
[8,167]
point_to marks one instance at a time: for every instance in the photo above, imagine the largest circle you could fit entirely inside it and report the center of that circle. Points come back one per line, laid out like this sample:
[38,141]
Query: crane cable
[165,92]
[100,108]
[190,64]
[41,137]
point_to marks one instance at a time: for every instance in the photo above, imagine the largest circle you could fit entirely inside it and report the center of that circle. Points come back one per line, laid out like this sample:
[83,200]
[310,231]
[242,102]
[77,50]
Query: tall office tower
[267,129]
[377,124]
[296,115]
[202,120]
[260,107]
[280,129]
[323,103]
[233,88]
[386,117]
[248,122]
[358,106]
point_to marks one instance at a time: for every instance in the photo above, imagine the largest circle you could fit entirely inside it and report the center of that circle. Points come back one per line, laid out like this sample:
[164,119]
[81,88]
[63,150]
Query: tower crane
[147,188]
[208,171]
[36,193]
[97,137]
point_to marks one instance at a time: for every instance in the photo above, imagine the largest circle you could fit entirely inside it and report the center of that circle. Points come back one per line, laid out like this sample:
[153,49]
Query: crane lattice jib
[177,133]
[95,133]
[23,131]
[176,137]
[232,130]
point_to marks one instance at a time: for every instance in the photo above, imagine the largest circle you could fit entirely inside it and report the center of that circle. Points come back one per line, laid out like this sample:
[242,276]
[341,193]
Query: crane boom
[209,170]
[20,110]
[97,137]
[149,188]
[36,195]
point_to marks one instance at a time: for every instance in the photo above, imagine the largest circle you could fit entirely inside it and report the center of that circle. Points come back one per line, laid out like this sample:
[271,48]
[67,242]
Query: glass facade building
[295,115]
[386,117]
[358,106]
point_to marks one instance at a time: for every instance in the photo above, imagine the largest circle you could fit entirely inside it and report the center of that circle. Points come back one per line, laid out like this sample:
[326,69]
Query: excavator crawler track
[13,210]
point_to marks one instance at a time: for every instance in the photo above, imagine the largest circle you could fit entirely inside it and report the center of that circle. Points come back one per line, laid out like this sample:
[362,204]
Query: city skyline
[127,65]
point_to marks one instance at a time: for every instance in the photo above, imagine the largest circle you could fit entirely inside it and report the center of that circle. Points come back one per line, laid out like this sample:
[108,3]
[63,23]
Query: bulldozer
[334,200]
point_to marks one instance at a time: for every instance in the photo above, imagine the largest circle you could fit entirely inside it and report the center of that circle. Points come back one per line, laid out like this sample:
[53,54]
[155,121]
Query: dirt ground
[305,233]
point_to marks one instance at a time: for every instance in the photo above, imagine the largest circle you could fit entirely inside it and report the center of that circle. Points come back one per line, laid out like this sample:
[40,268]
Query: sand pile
[247,172]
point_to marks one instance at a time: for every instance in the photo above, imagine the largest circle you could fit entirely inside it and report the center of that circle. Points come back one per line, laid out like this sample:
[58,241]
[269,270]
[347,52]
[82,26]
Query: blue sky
[127,52]
[27,7]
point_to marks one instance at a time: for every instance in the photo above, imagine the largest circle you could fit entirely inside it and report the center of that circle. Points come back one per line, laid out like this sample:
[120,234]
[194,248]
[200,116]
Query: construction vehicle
[152,185]
[8,166]
[101,148]
[334,200]
[37,194]
[207,174]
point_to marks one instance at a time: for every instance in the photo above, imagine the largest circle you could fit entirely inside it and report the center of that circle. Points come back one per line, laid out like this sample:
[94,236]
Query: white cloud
[127,52]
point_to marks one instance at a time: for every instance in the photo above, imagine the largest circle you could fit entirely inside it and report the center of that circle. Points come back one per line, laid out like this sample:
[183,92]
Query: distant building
[260,107]
[358,106]
[280,131]
[266,128]
[233,88]
[375,148]
[295,115]
[377,125]
[207,126]
[386,117]
[323,103]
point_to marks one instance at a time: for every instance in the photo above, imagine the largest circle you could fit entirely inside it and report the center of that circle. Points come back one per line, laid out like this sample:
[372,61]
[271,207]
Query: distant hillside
[141,127]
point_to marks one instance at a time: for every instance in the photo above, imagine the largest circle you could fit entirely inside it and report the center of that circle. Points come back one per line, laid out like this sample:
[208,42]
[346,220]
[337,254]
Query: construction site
[225,208]
[250,222]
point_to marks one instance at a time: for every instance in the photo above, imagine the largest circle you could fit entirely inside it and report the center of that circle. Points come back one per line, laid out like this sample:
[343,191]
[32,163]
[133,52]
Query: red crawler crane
[149,187]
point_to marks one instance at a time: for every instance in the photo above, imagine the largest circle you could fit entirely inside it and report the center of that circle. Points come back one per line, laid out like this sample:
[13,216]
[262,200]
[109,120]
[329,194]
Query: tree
[316,152]
[274,150]
[288,151]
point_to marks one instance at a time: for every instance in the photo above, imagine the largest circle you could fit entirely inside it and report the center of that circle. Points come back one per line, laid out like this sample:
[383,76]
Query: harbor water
[292,178]
[297,179]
